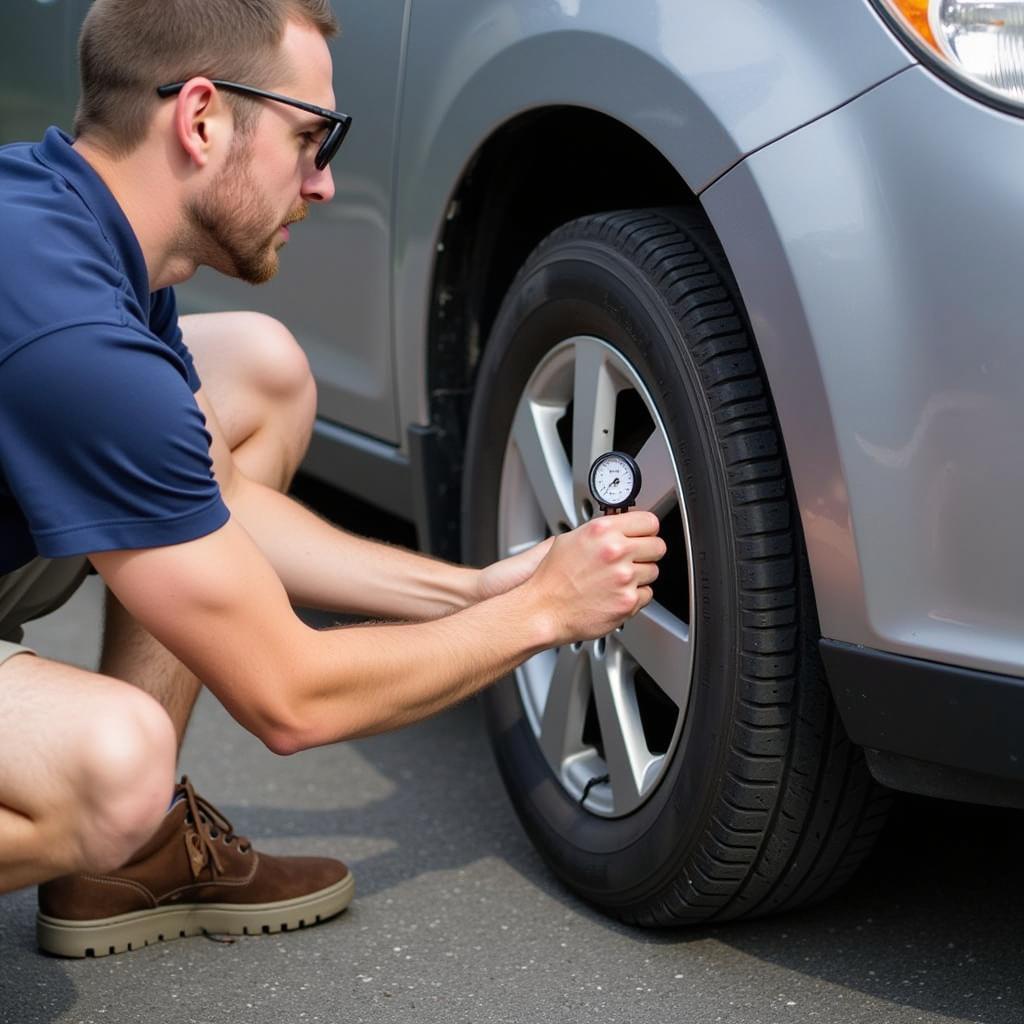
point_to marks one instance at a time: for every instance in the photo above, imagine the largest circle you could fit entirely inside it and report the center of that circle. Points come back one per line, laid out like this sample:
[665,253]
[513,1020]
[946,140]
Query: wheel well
[536,172]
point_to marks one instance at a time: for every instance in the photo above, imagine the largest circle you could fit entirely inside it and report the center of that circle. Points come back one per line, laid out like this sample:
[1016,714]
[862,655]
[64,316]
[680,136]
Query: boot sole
[103,936]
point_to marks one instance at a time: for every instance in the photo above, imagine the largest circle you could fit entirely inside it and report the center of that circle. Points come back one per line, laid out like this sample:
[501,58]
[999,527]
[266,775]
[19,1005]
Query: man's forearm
[219,605]
[322,566]
[362,680]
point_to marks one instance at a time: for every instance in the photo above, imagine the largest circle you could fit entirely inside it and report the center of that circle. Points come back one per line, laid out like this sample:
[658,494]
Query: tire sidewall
[578,287]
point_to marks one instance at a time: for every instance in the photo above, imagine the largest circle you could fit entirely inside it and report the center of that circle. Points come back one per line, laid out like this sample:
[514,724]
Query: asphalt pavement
[456,919]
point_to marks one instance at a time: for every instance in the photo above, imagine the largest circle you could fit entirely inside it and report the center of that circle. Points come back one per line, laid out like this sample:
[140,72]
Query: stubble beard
[233,228]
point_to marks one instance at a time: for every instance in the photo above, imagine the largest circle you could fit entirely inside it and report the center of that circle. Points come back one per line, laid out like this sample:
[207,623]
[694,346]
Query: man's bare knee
[277,369]
[126,761]
[258,381]
[280,402]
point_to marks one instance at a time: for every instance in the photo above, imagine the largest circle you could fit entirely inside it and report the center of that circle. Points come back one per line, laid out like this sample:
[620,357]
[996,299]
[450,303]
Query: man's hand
[501,577]
[600,574]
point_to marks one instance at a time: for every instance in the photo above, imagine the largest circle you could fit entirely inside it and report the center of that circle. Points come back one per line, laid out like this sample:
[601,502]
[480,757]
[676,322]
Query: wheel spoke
[593,415]
[658,490]
[561,726]
[660,643]
[547,469]
[622,734]
[544,489]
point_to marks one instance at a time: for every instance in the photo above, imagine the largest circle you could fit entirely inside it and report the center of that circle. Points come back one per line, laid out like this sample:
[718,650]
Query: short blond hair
[129,47]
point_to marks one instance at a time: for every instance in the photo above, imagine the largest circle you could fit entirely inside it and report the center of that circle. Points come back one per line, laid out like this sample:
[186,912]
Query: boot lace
[207,824]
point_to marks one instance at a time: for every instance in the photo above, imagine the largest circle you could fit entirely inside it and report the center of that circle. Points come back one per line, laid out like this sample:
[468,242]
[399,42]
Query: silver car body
[876,252]
[870,211]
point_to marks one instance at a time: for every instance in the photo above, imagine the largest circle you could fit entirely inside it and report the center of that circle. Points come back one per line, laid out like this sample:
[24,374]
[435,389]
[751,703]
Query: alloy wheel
[606,713]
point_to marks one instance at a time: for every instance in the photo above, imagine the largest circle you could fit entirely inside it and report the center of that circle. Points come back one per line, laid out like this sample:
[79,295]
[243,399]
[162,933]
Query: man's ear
[201,120]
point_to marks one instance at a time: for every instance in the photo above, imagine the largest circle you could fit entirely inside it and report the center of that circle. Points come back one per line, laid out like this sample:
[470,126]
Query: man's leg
[82,789]
[258,382]
[195,874]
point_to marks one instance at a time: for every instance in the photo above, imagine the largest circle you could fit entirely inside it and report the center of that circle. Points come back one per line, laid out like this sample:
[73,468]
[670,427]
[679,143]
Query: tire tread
[797,810]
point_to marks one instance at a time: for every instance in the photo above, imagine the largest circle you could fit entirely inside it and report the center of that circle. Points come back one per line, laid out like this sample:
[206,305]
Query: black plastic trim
[942,716]
[436,478]
[939,780]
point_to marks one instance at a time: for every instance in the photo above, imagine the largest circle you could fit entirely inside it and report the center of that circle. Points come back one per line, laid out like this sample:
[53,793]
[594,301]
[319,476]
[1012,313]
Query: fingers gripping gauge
[614,482]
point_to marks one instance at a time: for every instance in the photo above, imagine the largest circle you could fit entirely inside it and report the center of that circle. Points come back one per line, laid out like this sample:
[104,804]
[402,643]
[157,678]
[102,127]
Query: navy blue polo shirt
[102,444]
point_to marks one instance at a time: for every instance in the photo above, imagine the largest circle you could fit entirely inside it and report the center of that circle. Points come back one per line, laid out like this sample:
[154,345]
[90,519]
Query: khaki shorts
[34,590]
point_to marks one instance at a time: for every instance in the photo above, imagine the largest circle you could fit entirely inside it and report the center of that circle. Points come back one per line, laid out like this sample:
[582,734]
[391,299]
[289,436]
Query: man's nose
[319,186]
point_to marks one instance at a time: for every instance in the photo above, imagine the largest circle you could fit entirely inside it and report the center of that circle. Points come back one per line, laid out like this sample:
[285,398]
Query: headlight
[981,42]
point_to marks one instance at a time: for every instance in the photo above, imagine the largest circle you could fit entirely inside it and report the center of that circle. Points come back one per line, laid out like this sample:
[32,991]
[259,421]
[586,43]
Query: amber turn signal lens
[915,14]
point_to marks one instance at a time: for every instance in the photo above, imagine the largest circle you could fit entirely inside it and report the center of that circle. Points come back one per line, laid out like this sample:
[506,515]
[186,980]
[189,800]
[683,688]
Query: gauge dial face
[615,480]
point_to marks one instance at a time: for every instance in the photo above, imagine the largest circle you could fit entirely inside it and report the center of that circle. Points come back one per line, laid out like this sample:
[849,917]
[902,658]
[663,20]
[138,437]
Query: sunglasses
[332,140]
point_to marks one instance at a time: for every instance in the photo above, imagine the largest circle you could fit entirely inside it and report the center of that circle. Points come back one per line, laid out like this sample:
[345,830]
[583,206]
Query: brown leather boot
[195,875]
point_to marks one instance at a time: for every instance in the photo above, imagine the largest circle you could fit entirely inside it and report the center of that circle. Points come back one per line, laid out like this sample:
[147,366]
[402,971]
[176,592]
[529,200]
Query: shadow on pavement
[932,923]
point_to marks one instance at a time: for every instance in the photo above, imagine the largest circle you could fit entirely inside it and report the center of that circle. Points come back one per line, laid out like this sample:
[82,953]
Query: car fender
[705,83]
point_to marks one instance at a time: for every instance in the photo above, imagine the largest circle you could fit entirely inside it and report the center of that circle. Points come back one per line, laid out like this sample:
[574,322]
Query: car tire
[746,796]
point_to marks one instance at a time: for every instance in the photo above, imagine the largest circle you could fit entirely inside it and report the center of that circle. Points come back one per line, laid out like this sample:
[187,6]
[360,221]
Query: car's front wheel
[690,765]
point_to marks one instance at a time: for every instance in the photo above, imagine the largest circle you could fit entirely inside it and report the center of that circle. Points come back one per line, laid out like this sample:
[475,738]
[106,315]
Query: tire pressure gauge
[614,482]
